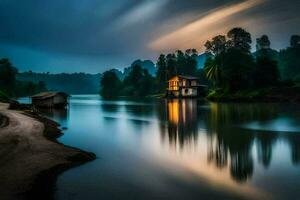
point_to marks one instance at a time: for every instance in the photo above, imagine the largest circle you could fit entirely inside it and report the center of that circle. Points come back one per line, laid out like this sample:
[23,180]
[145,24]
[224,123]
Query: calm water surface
[181,149]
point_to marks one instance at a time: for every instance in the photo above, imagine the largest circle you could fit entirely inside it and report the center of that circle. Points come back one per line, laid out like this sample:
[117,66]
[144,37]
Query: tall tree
[212,71]
[263,48]
[138,83]
[263,43]
[171,65]
[217,45]
[161,73]
[7,76]
[289,59]
[239,39]
[266,71]
[237,70]
[110,85]
[191,62]
[295,40]
[181,64]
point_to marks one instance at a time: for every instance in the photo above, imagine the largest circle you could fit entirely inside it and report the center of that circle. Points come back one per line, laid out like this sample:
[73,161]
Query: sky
[95,35]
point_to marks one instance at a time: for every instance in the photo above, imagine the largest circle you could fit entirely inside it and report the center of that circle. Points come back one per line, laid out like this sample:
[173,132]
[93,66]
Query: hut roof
[184,77]
[46,95]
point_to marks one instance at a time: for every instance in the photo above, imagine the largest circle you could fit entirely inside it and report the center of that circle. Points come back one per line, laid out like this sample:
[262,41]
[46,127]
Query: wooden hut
[185,87]
[50,100]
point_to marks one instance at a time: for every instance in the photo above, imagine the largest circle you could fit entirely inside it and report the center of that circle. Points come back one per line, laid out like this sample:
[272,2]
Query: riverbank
[31,157]
[276,94]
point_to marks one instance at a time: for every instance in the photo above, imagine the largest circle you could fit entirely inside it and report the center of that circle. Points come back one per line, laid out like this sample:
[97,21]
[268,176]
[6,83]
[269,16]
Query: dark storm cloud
[110,33]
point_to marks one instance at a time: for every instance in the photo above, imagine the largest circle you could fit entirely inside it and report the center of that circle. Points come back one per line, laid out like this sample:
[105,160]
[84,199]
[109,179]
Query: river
[180,149]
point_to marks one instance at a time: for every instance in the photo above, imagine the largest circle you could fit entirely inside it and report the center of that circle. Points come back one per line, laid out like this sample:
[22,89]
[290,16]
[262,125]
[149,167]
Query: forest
[19,84]
[75,83]
[230,68]
[11,87]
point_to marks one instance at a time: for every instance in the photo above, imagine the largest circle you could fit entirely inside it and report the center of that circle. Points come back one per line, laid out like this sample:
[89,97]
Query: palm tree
[212,71]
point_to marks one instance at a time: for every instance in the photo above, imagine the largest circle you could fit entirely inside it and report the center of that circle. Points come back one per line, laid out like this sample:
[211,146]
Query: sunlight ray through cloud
[197,30]
[140,12]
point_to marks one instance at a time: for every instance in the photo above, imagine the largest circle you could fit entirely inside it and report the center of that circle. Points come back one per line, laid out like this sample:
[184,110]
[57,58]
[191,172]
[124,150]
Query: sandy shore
[30,157]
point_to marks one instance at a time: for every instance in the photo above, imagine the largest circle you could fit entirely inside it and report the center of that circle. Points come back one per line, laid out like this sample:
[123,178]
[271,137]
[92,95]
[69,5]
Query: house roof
[185,77]
[46,95]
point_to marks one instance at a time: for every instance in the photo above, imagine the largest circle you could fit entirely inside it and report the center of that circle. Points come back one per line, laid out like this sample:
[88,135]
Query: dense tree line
[11,87]
[289,60]
[230,67]
[178,63]
[74,83]
[233,67]
[139,82]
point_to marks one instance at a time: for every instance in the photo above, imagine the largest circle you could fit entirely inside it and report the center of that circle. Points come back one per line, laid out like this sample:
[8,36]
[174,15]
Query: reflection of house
[182,120]
[185,86]
[50,100]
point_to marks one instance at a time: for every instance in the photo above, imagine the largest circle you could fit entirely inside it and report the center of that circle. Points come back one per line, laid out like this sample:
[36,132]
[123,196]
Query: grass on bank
[287,93]
[4,97]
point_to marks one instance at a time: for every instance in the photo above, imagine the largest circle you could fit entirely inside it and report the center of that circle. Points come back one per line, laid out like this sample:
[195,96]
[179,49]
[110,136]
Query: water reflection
[182,121]
[230,144]
[58,115]
[176,149]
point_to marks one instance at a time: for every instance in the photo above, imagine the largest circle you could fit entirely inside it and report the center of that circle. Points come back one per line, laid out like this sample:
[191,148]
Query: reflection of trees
[264,148]
[227,140]
[110,108]
[241,167]
[141,110]
[236,146]
[294,141]
[228,144]
[58,115]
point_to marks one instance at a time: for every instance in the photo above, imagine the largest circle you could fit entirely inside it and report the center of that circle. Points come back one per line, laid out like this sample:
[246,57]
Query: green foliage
[138,83]
[246,76]
[186,63]
[239,39]
[171,65]
[202,77]
[28,88]
[75,83]
[7,77]
[190,67]
[11,87]
[289,59]
[3,97]
[110,84]
[266,72]
[295,41]
[217,45]
[237,70]
[161,73]
[263,42]
[212,71]
[145,64]
[232,64]
[182,63]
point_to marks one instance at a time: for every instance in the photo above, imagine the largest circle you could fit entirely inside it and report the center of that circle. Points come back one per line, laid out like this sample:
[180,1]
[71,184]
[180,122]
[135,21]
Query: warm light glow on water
[173,112]
[181,149]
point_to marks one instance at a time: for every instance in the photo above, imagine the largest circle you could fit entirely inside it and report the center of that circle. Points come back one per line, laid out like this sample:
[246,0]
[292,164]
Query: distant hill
[202,59]
[146,64]
[75,83]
